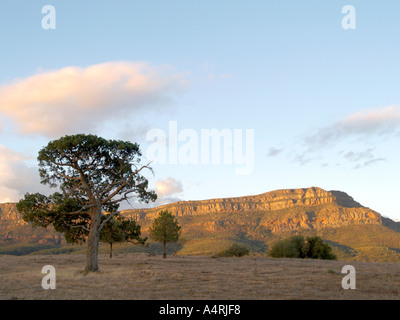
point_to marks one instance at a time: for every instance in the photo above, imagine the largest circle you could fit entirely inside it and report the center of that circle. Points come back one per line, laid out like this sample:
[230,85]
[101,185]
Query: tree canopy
[93,175]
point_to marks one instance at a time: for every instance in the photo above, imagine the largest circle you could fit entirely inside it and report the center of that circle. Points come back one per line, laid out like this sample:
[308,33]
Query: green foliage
[94,176]
[316,248]
[298,247]
[55,210]
[43,211]
[292,247]
[120,229]
[165,228]
[90,172]
[235,250]
[87,167]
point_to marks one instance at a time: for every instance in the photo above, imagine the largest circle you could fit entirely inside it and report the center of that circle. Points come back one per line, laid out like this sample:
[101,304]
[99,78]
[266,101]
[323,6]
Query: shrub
[235,250]
[297,247]
[292,247]
[317,249]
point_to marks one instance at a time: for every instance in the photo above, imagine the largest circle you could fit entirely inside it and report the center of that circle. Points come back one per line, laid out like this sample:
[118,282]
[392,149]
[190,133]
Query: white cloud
[16,178]
[167,191]
[375,121]
[75,99]
[168,187]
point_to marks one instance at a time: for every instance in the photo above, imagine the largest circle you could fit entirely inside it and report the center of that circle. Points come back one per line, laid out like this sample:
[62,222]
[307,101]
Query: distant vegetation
[24,249]
[235,250]
[298,247]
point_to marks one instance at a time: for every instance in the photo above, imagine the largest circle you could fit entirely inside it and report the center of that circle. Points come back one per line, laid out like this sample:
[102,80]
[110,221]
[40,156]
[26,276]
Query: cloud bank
[75,99]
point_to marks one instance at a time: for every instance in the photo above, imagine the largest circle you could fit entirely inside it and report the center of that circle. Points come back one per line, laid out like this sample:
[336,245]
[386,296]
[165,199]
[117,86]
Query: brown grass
[140,276]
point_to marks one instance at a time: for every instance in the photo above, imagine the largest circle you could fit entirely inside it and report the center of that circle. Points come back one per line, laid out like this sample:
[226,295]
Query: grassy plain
[142,276]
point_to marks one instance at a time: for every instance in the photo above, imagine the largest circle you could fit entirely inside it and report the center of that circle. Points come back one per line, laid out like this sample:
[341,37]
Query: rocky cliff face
[13,229]
[299,208]
[324,218]
[10,217]
[278,211]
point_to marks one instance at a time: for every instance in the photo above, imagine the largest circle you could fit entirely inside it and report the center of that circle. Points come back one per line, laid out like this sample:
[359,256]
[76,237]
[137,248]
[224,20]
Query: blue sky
[323,101]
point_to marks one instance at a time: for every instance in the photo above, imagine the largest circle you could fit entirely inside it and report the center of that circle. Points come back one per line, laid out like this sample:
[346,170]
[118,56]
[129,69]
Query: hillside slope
[355,232]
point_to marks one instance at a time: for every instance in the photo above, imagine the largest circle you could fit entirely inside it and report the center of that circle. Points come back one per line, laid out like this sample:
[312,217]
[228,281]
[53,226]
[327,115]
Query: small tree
[120,229]
[165,229]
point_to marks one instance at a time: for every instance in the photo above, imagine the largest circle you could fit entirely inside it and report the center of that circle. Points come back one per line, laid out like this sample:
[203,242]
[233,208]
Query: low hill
[208,226]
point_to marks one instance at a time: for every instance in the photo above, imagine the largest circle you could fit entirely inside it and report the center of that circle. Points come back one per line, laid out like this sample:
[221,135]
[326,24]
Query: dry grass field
[140,276]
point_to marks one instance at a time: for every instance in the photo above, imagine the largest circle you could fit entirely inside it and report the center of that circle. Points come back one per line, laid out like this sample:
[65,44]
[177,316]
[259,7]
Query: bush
[297,247]
[235,250]
[292,247]
[317,249]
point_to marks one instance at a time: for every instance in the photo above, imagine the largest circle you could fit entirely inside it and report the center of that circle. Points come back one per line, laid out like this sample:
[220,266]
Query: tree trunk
[110,250]
[93,243]
[164,252]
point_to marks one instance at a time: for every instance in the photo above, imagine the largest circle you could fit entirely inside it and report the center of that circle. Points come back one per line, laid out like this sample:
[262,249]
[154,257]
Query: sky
[296,93]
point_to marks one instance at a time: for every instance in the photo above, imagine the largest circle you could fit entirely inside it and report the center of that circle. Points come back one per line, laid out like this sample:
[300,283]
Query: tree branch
[108,219]
[124,184]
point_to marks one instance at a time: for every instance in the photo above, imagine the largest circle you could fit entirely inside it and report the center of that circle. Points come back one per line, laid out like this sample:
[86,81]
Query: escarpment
[275,211]
[208,226]
[306,208]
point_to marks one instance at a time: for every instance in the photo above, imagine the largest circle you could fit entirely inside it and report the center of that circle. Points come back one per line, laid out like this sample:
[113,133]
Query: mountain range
[355,232]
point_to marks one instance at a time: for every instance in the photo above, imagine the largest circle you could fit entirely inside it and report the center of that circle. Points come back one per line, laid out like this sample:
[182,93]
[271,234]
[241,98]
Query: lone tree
[165,229]
[120,229]
[94,176]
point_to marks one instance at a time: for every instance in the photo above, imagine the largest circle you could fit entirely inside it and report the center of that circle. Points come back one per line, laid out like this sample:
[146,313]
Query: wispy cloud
[363,124]
[358,156]
[75,99]
[362,158]
[272,152]
[362,127]
[369,162]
